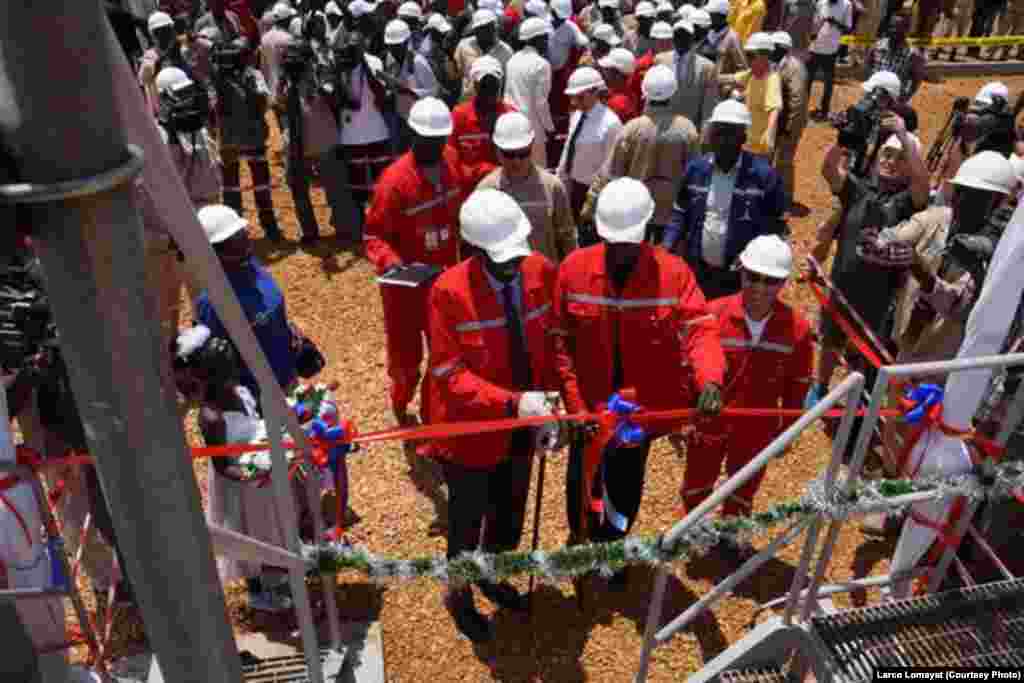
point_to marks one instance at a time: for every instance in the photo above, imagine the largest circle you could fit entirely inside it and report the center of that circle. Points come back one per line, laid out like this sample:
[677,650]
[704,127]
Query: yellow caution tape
[996,41]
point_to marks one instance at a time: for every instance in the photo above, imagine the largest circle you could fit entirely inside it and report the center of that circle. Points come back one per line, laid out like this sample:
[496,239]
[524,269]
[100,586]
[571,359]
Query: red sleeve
[563,351]
[700,336]
[383,217]
[471,396]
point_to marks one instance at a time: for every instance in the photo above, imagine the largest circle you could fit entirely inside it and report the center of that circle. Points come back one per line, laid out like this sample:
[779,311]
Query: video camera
[184,108]
[227,58]
[296,60]
[993,127]
[861,121]
[26,324]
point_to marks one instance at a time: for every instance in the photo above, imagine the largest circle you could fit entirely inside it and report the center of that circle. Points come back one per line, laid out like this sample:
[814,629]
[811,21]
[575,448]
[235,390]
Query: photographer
[894,54]
[183,112]
[165,52]
[894,188]
[241,100]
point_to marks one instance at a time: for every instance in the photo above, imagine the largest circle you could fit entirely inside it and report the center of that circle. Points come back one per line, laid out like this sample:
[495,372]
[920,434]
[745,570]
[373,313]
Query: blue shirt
[263,304]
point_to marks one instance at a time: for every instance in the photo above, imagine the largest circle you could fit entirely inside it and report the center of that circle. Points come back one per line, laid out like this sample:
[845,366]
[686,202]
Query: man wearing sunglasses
[769,360]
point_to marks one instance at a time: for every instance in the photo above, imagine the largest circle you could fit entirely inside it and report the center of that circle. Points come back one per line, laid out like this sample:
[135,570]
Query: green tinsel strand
[895,487]
[422,565]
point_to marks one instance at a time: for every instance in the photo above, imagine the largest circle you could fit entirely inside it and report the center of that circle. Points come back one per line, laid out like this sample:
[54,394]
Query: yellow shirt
[748,19]
[763,96]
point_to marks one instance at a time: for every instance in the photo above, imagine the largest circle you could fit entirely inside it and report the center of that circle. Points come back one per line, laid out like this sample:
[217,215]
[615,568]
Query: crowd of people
[563,202]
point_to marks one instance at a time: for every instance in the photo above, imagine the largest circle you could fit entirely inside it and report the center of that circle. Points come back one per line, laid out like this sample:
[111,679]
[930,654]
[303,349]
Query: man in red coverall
[617,67]
[411,219]
[628,314]
[770,360]
[490,358]
[473,121]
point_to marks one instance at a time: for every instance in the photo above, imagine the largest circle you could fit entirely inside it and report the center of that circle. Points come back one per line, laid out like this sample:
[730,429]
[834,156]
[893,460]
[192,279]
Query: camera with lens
[993,127]
[227,59]
[296,60]
[184,108]
[862,119]
[26,324]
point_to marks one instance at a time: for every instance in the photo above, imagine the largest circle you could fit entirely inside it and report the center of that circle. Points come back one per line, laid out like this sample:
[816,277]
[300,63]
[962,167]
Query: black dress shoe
[470,623]
[504,595]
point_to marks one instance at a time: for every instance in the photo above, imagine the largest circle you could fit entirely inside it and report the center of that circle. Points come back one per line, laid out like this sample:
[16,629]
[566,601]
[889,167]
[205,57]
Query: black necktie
[519,357]
[570,154]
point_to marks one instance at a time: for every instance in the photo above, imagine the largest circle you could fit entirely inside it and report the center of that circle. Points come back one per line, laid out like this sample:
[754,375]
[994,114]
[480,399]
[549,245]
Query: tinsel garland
[607,558]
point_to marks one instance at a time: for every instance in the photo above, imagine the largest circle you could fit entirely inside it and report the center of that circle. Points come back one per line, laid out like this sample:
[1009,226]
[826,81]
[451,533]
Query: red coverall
[666,342]
[636,80]
[410,220]
[488,475]
[623,104]
[476,150]
[774,372]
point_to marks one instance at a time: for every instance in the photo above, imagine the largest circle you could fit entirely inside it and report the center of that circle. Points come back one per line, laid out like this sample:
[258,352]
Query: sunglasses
[757,278]
[516,153]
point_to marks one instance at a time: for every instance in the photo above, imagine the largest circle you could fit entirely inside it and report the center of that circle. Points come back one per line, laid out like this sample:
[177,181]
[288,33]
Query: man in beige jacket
[793,119]
[696,77]
[652,148]
[539,193]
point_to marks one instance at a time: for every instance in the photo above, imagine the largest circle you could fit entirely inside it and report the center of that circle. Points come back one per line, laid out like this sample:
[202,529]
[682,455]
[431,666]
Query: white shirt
[756,327]
[272,48]
[528,87]
[827,40]
[594,144]
[366,125]
[417,76]
[716,219]
[681,64]
[563,40]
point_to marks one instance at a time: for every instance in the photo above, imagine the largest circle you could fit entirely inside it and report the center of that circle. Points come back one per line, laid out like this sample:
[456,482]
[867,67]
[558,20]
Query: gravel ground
[330,293]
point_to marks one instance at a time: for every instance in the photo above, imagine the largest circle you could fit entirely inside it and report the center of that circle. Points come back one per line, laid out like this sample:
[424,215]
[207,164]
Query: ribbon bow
[627,433]
[927,403]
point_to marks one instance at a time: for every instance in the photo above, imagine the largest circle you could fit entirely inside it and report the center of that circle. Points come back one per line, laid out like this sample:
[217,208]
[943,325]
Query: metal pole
[811,542]
[536,518]
[651,628]
[867,428]
[88,236]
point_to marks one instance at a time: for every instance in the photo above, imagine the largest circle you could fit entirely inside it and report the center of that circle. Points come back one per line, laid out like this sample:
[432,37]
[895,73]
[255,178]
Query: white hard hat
[538,8]
[493,221]
[991,90]
[717,7]
[731,111]
[295,28]
[1018,165]
[644,9]
[562,8]
[159,20]
[623,209]
[430,117]
[437,22]
[606,34]
[534,27]
[513,130]
[685,11]
[396,32]
[759,42]
[411,10]
[610,4]
[683,24]
[768,255]
[782,38]
[483,66]
[220,222]
[281,12]
[989,171]
[170,77]
[886,80]
[620,59]
[583,79]
[659,84]
[700,17]
[894,142]
[360,8]
[661,31]
[191,340]
[665,7]
[494,6]
[332,8]
[482,17]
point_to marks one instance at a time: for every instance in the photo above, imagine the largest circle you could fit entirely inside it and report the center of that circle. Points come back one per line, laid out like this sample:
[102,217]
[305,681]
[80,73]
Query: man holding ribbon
[628,316]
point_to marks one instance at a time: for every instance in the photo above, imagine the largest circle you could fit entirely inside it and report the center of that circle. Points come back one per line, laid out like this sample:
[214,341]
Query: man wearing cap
[491,358]
[566,48]
[762,93]
[412,14]
[602,39]
[411,219]
[165,52]
[793,116]
[832,19]
[593,130]
[888,194]
[261,299]
[638,40]
[539,193]
[439,49]
[661,33]
[473,121]
[528,84]
[726,199]
[274,43]
[721,45]
[769,360]
[696,76]
[408,70]
[483,40]
[893,53]
[628,315]
[617,67]
[652,148]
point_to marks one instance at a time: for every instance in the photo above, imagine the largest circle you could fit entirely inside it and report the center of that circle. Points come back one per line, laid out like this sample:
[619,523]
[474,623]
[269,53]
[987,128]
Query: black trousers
[826,64]
[624,472]
[259,169]
[487,507]
[586,235]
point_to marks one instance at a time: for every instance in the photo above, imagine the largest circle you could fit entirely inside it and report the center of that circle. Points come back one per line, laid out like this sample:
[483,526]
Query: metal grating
[289,669]
[766,675]
[977,626]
